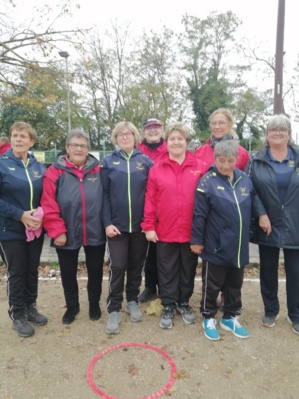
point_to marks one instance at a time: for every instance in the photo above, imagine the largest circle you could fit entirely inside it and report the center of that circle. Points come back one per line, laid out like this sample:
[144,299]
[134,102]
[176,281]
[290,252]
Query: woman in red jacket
[167,221]
[221,124]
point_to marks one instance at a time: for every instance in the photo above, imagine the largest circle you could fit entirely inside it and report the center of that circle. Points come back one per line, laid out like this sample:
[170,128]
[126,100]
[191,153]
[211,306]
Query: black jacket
[284,217]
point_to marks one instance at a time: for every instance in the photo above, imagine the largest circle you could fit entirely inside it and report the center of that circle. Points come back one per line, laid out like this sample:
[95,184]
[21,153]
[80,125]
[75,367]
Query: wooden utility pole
[278,103]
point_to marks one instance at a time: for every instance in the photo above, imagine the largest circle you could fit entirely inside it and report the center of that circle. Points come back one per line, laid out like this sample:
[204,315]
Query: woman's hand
[30,222]
[151,236]
[265,224]
[112,231]
[196,248]
[60,240]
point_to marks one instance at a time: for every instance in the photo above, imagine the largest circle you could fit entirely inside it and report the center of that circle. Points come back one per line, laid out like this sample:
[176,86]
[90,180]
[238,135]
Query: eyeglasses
[77,146]
[220,123]
[122,135]
[278,129]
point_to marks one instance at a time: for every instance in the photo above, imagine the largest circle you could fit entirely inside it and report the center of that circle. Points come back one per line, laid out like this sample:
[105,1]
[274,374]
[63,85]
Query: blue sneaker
[211,332]
[234,326]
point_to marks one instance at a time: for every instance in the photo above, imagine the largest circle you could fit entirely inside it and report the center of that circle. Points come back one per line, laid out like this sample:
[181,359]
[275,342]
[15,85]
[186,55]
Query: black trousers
[216,278]
[269,259]
[127,253]
[176,269]
[68,261]
[150,268]
[22,260]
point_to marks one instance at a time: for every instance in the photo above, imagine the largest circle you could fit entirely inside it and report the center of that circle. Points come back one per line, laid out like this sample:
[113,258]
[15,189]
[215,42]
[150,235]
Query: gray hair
[279,121]
[77,133]
[226,148]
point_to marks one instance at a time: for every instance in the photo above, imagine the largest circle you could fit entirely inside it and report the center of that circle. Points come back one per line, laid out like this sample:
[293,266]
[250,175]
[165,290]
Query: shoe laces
[236,323]
[23,321]
[211,324]
[168,312]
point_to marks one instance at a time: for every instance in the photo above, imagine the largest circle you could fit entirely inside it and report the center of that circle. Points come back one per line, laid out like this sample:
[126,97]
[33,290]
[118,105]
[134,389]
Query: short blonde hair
[180,127]
[121,126]
[229,116]
[23,126]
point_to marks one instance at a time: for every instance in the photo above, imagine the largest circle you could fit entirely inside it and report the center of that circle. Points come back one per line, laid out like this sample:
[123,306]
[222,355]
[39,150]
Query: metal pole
[278,104]
[68,95]
[65,55]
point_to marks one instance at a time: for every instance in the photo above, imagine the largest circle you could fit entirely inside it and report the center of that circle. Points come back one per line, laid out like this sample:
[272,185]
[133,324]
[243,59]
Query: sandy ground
[54,362]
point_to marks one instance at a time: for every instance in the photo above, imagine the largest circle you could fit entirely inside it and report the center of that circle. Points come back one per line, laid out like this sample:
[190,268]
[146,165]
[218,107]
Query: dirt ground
[54,362]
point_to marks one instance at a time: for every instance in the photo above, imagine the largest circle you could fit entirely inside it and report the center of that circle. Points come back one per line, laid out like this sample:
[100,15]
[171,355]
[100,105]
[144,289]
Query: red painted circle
[126,345]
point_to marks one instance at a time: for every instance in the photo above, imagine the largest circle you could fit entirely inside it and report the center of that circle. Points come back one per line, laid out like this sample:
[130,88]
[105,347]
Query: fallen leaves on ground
[155,308]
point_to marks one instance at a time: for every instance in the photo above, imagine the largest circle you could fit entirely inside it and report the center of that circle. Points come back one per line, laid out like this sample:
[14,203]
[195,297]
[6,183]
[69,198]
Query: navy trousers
[269,259]
[22,260]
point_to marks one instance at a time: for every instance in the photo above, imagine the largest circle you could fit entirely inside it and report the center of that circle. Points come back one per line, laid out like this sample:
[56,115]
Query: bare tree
[24,46]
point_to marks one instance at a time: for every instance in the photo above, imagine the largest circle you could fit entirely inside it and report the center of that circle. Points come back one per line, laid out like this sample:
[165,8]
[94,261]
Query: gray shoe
[187,313]
[133,310]
[23,327]
[295,325]
[113,323]
[34,316]
[269,321]
[166,318]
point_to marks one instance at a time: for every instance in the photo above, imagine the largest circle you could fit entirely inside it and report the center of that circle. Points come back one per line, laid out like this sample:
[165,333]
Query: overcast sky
[259,17]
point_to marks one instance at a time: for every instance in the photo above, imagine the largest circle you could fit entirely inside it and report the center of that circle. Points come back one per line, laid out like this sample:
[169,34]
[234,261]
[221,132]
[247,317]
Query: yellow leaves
[170,391]
[155,308]
[181,374]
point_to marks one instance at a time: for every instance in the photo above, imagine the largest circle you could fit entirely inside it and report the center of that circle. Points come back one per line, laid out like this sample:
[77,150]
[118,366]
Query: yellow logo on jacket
[243,191]
[139,165]
[36,174]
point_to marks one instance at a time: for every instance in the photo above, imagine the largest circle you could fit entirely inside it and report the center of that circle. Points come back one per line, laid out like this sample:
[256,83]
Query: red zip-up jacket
[169,198]
[154,154]
[206,154]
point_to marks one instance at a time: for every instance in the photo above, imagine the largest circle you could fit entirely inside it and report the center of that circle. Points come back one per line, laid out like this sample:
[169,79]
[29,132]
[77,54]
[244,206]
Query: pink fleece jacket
[39,214]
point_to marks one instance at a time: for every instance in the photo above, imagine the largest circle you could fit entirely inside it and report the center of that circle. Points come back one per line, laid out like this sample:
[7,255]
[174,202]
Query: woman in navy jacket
[275,175]
[21,179]
[72,201]
[124,177]
[220,235]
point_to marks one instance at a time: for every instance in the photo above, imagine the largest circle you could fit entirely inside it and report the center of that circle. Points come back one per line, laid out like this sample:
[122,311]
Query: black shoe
[70,314]
[34,316]
[147,294]
[94,311]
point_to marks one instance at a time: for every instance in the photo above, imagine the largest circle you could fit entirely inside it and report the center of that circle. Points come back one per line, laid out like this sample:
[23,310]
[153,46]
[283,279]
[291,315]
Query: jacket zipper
[240,218]
[30,182]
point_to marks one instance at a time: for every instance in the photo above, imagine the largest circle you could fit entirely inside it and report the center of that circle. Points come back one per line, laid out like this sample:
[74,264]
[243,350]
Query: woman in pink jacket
[221,124]
[167,221]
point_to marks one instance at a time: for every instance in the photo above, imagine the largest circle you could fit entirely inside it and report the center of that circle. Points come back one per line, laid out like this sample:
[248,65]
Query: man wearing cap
[154,146]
